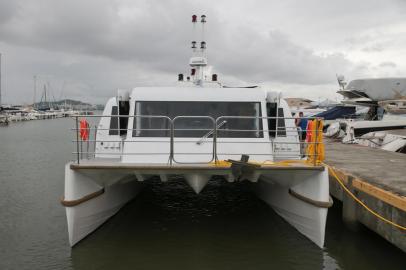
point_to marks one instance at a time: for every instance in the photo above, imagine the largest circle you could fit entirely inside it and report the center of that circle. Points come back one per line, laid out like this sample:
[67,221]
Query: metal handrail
[184,129]
[213,157]
[213,131]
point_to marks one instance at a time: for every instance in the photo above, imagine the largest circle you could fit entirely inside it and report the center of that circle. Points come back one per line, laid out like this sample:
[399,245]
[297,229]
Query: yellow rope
[287,163]
[362,203]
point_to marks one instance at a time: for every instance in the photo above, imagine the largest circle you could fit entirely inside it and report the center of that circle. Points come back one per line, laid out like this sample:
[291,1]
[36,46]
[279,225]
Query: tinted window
[271,112]
[281,123]
[229,127]
[124,110]
[113,122]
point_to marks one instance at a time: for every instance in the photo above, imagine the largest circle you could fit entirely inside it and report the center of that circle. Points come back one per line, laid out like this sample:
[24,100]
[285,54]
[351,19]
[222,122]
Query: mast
[35,91]
[45,94]
[198,60]
[0,80]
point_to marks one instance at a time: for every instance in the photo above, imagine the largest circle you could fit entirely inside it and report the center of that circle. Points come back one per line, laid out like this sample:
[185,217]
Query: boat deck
[115,164]
[375,176]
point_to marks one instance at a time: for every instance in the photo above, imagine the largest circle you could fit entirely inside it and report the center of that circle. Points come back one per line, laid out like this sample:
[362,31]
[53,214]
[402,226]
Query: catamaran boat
[196,129]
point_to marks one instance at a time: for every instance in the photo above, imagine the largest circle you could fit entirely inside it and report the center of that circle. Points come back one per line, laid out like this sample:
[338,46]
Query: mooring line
[361,202]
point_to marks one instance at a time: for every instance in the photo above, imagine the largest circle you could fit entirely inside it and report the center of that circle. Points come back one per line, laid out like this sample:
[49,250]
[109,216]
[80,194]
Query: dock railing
[88,136]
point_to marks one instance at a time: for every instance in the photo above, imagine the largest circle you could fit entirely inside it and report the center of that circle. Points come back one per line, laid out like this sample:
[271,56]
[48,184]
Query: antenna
[197,62]
[194,21]
[203,42]
[341,81]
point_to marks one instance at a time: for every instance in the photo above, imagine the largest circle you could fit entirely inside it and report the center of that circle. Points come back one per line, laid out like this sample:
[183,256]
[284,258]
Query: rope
[289,162]
[361,202]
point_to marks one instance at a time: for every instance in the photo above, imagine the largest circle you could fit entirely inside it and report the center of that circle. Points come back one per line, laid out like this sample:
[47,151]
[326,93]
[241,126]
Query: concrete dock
[376,177]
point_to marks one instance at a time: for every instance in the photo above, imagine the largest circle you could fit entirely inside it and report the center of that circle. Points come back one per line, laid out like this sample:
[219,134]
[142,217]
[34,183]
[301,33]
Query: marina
[166,226]
[248,156]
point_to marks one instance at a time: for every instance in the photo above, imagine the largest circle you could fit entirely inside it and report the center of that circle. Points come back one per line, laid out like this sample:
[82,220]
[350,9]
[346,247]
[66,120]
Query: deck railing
[86,147]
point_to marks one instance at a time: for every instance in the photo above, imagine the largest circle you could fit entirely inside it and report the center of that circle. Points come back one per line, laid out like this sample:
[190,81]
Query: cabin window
[124,110]
[198,127]
[119,126]
[271,112]
[113,130]
[281,123]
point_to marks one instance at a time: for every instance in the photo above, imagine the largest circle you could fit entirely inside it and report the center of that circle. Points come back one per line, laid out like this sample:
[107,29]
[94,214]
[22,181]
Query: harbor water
[167,226]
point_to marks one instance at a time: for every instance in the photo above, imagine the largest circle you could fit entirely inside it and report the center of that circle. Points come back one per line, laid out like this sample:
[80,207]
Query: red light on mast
[193,72]
[194,18]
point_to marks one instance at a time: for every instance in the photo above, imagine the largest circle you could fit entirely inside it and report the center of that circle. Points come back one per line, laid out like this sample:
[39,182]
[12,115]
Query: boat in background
[386,100]
[4,119]
[337,112]
[196,128]
[371,91]
[394,107]
[390,140]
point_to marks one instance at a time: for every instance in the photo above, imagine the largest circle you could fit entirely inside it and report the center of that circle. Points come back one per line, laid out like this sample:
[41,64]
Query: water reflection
[225,227]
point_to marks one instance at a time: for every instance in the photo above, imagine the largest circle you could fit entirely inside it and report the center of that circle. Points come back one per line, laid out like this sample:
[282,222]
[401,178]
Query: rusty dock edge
[378,179]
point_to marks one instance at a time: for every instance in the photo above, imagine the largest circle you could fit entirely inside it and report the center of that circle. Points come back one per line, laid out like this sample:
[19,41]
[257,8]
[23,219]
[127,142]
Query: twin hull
[114,186]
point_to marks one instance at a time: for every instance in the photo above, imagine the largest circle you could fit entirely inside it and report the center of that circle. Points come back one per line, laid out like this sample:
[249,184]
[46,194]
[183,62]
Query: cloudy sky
[86,49]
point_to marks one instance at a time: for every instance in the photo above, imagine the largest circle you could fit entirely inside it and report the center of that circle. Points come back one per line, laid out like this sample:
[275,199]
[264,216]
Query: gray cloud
[388,64]
[274,57]
[373,48]
[101,45]
[7,10]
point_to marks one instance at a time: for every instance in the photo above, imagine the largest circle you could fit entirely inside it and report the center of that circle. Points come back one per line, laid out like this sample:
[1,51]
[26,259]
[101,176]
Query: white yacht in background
[386,100]
[371,91]
[196,129]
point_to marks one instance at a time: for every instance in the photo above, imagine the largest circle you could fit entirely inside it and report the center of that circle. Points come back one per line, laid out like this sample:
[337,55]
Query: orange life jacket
[84,130]
[310,131]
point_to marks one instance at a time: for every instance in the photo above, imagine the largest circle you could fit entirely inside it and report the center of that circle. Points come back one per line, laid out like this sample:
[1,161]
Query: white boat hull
[86,217]
[307,218]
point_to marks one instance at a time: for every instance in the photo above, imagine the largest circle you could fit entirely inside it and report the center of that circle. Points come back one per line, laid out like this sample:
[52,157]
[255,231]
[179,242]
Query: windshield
[229,127]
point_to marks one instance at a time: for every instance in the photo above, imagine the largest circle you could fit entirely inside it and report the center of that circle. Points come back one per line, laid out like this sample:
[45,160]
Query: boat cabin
[196,125]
